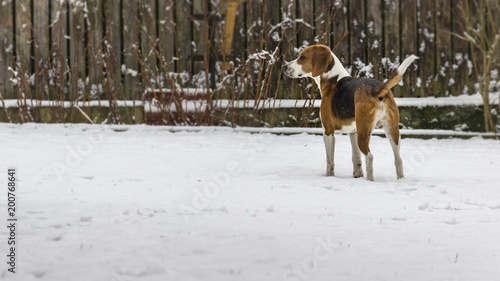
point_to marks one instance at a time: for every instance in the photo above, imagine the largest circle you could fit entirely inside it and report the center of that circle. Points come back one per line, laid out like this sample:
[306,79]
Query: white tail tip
[402,68]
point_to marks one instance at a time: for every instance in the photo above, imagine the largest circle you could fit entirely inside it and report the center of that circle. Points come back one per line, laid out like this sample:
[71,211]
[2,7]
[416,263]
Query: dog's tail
[387,86]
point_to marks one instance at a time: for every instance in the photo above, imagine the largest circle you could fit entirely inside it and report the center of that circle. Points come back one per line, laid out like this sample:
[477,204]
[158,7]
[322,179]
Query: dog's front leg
[330,151]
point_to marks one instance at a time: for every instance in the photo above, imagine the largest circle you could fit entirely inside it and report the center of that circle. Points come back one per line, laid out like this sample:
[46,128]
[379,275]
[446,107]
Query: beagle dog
[351,105]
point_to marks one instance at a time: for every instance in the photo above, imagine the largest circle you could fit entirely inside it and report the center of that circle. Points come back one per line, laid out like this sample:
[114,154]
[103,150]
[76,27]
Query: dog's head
[312,62]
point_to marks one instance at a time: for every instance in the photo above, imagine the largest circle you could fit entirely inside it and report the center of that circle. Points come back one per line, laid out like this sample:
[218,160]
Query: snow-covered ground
[144,203]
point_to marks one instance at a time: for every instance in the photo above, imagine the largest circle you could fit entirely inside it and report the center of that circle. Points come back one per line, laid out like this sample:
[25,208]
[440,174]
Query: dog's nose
[285,67]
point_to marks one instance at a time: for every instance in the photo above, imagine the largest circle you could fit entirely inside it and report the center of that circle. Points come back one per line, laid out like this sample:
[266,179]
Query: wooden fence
[87,42]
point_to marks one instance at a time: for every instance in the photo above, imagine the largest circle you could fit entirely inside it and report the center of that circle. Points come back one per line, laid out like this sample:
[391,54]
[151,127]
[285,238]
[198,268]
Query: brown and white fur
[351,105]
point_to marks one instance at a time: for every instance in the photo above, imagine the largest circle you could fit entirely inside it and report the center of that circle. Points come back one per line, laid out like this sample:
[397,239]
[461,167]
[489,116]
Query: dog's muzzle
[286,70]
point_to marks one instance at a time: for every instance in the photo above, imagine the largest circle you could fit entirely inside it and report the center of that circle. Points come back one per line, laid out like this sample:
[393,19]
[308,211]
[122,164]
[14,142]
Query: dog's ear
[321,60]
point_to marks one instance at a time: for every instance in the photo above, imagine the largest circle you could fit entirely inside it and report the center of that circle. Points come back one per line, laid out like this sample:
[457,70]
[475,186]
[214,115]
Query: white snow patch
[219,204]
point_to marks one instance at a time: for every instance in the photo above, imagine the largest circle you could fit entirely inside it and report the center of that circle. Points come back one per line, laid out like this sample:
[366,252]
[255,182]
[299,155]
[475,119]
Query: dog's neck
[336,73]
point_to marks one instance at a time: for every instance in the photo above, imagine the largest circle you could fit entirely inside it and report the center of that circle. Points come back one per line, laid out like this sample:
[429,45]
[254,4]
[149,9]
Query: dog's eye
[302,58]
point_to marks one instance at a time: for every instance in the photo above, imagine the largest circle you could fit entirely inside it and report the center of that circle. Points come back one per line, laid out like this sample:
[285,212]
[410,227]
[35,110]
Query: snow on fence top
[463,100]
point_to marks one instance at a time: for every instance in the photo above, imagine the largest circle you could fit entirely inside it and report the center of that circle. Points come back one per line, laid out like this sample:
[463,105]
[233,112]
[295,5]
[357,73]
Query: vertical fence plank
[495,12]
[306,13]
[41,41]
[166,22]
[131,35]
[198,46]
[288,9]
[240,37]
[306,38]
[113,38]
[77,49]
[23,34]
[341,26]
[183,36]
[6,50]
[426,48]
[272,18]
[460,49]
[323,29]
[391,40]
[358,38]
[59,49]
[253,8]
[94,42]
[374,36]
[148,39]
[443,46]
[409,45]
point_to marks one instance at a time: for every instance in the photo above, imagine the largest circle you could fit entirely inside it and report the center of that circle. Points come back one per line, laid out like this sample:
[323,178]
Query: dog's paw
[358,174]
[330,173]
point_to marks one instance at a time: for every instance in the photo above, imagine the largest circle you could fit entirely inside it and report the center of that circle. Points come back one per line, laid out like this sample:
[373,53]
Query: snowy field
[144,203]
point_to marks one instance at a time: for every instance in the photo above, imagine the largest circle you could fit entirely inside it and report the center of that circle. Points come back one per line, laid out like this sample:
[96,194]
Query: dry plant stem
[487,42]
[5,111]
[177,97]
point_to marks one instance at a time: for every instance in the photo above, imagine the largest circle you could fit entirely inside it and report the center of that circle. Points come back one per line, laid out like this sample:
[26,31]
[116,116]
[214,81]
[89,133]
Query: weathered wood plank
[6,50]
[113,48]
[409,45]
[306,13]
[77,49]
[166,11]
[341,26]
[443,45]
[305,39]
[391,40]
[374,33]
[427,49]
[272,17]
[131,36]
[42,45]
[24,35]
[254,43]
[95,39]
[289,86]
[183,26]
[200,35]
[148,38]
[322,18]
[240,38]
[358,40]
[460,50]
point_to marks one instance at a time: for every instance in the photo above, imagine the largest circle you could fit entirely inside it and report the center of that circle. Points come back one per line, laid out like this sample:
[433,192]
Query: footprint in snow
[85,218]
[57,238]
[38,274]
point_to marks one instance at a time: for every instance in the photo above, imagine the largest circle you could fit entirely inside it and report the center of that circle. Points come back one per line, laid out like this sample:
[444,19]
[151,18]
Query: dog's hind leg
[365,120]
[363,143]
[356,156]
[392,133]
